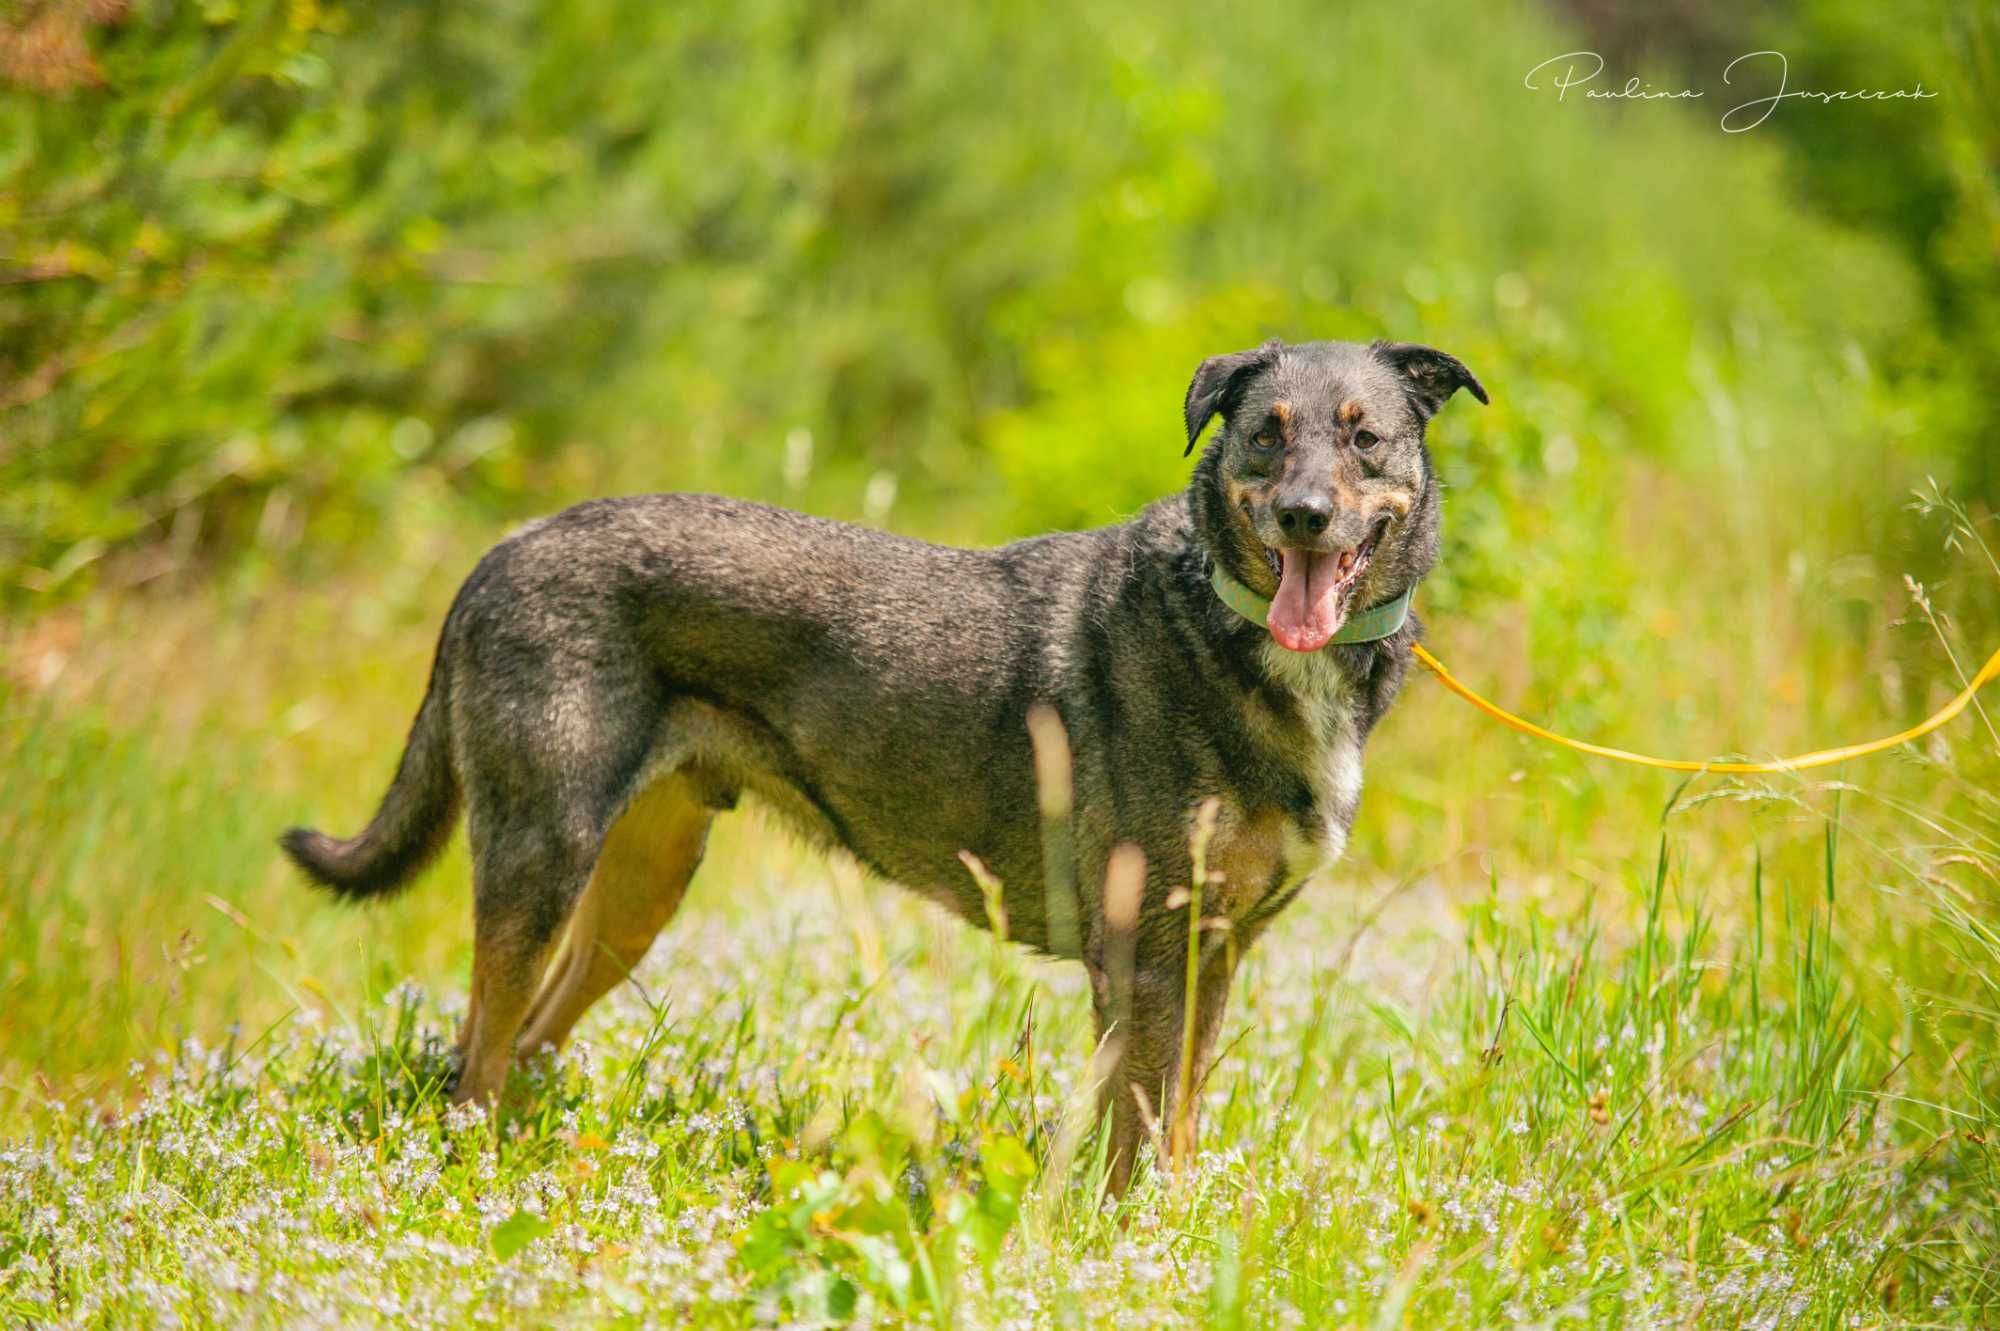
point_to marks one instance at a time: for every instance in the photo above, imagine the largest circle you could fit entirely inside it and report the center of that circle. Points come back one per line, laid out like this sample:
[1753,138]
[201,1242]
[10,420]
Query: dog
[610,679]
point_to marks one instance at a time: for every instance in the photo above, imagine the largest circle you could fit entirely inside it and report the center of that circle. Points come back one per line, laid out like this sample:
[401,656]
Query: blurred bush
[281,279]
[1928,182]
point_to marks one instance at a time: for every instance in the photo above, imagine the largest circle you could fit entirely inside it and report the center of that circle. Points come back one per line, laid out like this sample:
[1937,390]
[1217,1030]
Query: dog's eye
[1264,439]
[1364,439]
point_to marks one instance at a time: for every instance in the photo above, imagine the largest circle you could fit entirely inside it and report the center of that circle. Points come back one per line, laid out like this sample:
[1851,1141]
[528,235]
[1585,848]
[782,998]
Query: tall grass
[1457,1110]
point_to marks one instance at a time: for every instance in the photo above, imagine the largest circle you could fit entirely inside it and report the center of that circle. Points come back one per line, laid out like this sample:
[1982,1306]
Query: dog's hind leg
[523,888]
[555,714]
[508,961]
[539,809]
[638,882]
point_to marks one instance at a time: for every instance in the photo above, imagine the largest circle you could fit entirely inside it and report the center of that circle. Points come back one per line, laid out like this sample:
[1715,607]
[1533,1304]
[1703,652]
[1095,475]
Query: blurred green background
[303,304]
[288,279]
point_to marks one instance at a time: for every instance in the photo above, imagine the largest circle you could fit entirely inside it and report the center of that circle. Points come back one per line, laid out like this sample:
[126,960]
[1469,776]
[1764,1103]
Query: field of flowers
[1485,1111]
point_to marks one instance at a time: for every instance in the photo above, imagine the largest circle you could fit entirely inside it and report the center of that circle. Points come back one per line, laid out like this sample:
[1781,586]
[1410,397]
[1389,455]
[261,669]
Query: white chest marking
[1325,700]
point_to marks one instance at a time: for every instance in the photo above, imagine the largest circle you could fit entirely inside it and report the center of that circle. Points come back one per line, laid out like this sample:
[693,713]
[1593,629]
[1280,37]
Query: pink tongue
[1306,611]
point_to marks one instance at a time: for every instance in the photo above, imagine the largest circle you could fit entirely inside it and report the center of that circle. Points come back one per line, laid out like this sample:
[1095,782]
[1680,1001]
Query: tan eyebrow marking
[1283,411]
[1350,411]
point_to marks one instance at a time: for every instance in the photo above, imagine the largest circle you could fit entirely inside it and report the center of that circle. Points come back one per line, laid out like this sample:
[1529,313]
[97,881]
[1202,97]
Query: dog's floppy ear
[1430,376]
[1218,384]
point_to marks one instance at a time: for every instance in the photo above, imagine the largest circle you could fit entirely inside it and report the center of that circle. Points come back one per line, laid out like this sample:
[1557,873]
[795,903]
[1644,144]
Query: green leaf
[516,1232]
[1006,1164]
[885,1267]
[768,1241]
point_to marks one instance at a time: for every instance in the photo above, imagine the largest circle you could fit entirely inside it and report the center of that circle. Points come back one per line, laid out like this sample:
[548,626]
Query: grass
[1467,1112]
[1557,1045]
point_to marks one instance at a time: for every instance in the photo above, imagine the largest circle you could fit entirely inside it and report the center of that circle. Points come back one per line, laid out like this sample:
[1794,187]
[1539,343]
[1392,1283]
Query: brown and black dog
[610,678]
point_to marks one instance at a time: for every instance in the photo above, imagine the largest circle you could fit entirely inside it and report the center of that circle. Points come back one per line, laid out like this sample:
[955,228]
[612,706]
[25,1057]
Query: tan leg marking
[505,969]
[640,877]
[468,1028]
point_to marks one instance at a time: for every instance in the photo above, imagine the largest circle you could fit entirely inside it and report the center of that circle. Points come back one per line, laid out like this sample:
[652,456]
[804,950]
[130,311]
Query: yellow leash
[1823,758]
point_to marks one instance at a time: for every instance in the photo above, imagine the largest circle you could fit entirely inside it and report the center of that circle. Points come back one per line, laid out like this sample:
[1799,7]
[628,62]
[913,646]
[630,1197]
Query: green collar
[1371,625]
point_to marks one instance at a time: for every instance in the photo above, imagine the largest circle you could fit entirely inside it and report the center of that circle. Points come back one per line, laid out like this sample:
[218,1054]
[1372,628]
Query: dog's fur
[611,677]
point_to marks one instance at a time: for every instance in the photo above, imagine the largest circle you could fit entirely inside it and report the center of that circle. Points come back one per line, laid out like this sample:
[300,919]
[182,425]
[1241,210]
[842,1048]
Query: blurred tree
[279,278]
[1925,175]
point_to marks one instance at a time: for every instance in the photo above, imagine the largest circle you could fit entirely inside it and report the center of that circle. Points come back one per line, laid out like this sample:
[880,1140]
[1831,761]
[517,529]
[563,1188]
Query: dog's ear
[1218,384]
[1430,376]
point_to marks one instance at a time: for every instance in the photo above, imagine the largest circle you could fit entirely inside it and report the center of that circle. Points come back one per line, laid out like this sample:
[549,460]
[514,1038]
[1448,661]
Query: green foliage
[1920,174]
[516,1232]
[831,1233]
[286,279]
[1930,183]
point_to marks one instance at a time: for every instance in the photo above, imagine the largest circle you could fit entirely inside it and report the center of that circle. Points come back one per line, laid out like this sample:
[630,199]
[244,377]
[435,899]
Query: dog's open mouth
[1315,592]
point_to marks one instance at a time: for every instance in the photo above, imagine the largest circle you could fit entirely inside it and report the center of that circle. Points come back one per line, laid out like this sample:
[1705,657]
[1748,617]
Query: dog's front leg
[1142,1089]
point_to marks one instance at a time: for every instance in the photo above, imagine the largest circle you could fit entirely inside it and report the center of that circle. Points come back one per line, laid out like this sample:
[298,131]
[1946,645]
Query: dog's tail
[410,828]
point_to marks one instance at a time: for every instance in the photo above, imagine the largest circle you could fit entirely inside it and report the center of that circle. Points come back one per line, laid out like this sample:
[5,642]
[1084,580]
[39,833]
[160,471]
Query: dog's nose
[1304,518]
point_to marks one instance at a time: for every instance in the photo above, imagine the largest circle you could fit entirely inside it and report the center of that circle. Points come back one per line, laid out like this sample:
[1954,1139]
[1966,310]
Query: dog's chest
[1331,742]
[1262,851]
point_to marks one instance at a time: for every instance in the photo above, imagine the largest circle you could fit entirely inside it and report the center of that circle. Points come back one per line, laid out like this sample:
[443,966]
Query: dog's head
[1317,491]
